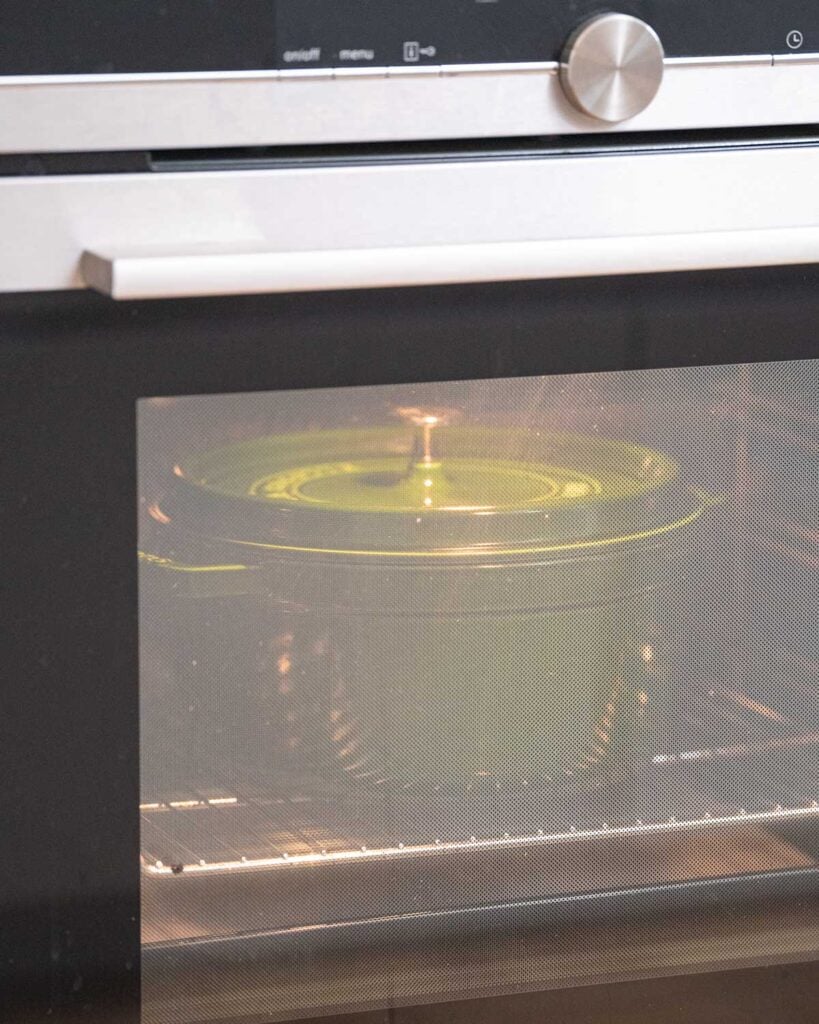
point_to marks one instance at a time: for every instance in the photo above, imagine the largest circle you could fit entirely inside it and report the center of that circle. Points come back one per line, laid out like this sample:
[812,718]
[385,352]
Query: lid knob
[426,420]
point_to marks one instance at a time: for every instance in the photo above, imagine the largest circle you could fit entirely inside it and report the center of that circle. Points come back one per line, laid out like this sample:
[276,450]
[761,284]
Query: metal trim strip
[795,58]
[392,71]
[750,60]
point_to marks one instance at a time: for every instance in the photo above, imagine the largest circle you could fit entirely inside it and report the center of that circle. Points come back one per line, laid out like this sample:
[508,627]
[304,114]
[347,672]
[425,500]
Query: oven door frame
[75,363]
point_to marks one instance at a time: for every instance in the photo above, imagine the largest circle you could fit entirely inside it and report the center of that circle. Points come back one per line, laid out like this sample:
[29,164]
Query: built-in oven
[411,538]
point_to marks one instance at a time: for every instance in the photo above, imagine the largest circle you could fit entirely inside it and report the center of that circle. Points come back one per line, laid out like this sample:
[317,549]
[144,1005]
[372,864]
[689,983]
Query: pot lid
[411,491]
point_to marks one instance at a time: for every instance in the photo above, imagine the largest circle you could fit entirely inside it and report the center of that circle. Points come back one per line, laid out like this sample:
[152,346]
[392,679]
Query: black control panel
[42,37]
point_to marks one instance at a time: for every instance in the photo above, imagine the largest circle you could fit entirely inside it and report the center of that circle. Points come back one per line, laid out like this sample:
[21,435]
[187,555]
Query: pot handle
[204,580]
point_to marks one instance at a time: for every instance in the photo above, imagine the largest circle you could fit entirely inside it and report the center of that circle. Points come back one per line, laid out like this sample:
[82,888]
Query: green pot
[358,605]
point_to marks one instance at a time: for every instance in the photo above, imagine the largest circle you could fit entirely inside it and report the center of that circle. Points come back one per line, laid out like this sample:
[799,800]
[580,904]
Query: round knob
[612,67]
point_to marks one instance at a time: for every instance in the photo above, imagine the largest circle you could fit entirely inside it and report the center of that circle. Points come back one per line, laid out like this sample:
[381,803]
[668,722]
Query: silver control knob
[612,67]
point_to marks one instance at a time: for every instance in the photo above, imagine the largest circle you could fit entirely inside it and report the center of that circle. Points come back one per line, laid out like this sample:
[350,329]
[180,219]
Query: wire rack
[732,758]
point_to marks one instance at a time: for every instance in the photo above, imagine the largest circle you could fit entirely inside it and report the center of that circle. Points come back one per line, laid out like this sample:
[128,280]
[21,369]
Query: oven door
[375,648]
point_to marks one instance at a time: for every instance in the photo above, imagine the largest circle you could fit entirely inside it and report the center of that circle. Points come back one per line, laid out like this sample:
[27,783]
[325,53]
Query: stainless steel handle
[174,275]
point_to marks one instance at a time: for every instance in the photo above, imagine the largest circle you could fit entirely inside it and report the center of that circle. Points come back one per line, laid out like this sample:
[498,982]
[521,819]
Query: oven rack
[749,764]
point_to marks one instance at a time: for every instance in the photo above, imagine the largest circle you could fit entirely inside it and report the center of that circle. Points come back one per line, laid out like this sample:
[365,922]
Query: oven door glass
[477,634]
[426,666]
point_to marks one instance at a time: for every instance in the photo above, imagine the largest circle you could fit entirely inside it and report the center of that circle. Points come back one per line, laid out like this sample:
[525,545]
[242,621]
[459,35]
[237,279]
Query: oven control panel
[343,33]
[95,37]
[99,75]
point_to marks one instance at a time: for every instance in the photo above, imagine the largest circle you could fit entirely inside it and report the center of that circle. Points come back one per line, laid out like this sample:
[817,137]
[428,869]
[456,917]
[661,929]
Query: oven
[411,563]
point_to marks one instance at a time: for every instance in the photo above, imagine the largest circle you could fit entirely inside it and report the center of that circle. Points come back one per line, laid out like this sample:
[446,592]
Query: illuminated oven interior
[412,654]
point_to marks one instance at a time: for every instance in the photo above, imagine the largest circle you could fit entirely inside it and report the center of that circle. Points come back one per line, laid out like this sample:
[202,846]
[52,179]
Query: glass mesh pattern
[469,762]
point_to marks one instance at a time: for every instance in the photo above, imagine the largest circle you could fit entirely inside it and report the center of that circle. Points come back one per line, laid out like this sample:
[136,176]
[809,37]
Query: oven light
[753,705]
[156,513]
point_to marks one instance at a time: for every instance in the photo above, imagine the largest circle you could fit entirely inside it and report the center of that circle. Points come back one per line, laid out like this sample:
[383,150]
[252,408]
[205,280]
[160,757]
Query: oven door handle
[217,272]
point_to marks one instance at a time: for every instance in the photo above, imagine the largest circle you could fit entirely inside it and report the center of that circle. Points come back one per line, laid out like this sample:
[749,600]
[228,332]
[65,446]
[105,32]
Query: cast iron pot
[363,604]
